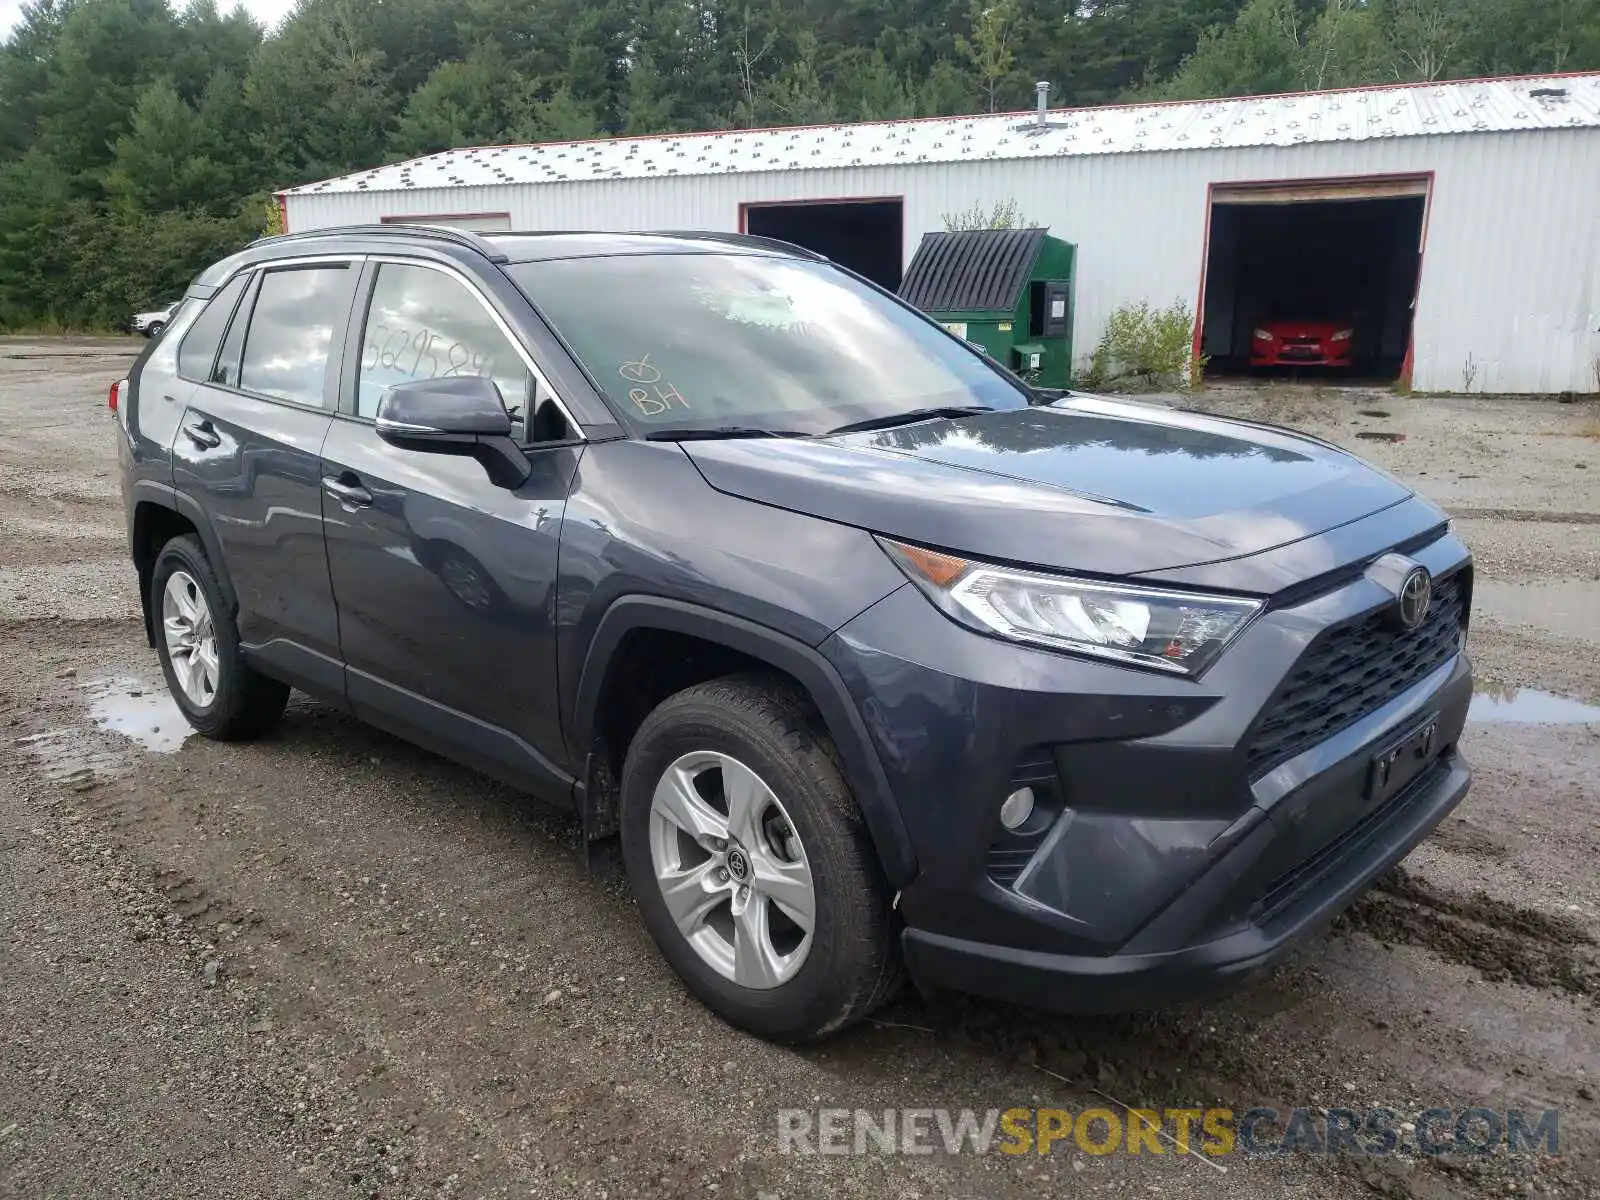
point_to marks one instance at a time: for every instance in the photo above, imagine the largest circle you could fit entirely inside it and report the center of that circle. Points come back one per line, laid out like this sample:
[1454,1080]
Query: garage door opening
[1313,278]
[865,235]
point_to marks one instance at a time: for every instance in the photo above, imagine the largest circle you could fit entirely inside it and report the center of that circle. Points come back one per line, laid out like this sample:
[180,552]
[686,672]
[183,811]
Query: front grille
[1353,669]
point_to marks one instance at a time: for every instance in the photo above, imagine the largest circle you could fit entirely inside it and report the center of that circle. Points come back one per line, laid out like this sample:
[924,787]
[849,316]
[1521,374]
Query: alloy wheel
[191,638]
[732,870]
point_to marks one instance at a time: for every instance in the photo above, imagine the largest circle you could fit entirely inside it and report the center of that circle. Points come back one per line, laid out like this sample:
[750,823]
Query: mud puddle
[148,715]
[1526,706]
[125,705]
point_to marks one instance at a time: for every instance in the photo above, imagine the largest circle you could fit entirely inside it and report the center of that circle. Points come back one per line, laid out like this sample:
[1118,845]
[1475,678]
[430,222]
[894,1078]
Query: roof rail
[744,239]
[433,233]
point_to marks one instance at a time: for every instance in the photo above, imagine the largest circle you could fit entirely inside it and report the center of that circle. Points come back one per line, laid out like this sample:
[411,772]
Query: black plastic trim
[485,748]
[164,495]
[863,771]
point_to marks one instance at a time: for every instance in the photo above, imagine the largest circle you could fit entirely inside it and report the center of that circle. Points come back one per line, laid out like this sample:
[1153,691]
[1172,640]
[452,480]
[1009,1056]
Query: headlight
[1263,336]
[1181,632]
[1344,335]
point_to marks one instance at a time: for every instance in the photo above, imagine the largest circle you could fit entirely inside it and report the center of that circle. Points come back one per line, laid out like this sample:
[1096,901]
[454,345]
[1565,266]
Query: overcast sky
[268,12]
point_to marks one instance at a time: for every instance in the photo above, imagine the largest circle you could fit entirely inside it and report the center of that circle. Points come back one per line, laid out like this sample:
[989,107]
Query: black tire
[853,964]
[246,703]
[153,330]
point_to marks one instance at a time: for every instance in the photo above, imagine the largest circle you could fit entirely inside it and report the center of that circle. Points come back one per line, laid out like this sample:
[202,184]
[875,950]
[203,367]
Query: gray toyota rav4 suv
[870,659]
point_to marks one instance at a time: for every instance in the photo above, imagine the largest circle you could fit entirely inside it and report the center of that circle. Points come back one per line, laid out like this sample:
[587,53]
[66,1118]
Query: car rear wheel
[220,694]
[751,862]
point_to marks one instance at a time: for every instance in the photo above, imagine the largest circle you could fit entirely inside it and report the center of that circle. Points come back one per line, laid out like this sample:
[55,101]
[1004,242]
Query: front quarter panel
[643,521]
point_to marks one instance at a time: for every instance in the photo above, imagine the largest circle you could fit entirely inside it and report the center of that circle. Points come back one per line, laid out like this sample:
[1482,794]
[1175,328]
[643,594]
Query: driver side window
[425,324]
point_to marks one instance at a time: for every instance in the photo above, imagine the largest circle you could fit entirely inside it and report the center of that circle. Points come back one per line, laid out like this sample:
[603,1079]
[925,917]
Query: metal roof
[1406,110]
[971,270]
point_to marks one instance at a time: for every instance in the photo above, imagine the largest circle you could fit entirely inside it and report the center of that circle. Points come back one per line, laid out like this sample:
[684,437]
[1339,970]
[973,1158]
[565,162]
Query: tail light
[114,399]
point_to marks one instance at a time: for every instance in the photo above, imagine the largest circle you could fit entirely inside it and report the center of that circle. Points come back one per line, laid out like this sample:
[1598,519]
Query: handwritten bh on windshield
[651,394]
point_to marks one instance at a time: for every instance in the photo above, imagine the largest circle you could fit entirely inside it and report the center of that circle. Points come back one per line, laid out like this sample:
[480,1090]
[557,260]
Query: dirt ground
[328,964]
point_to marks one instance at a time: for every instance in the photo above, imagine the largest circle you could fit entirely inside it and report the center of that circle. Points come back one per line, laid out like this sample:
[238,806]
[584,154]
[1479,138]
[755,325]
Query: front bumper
[1166,865]
[1303,356]
[1135,978]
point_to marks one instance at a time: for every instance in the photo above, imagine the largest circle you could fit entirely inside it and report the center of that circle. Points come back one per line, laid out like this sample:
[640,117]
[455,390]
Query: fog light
[1017,808]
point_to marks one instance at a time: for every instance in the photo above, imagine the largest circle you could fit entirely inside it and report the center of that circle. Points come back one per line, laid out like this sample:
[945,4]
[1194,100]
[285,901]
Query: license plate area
[1402,760]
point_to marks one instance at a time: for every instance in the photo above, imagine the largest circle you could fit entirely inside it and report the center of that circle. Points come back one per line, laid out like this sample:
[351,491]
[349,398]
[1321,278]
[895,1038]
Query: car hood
[1084,484]
[160,313]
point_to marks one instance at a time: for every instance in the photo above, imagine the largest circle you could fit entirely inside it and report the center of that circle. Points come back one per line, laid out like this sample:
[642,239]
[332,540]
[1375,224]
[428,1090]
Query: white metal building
[1467,215]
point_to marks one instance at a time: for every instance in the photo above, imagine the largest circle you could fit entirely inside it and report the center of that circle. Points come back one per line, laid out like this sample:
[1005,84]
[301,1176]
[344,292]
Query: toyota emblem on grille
[1415,593]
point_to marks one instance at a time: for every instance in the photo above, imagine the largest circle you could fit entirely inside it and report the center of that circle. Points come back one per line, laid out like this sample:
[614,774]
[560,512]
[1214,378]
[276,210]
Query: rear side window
[199,349]
[298,313]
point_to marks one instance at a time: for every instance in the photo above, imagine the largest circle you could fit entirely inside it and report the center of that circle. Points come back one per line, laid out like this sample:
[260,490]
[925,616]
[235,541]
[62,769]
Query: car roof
[499,248]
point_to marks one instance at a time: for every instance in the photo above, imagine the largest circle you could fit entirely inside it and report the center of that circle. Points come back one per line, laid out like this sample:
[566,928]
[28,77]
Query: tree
[320,97]
[797,95]
[1260,53]
[472,102]
[868,89]
[1424,35]
[34,197]
[989,50]
[1345,47]
[160,162]
[105,55]
[25,61]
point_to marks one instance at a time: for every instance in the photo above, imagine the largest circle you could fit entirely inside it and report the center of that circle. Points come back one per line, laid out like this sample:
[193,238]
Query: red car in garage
[1295,343]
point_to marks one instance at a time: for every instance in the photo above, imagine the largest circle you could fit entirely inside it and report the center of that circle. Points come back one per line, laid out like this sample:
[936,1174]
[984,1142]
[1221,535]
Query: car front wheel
[154,328]
[751,862]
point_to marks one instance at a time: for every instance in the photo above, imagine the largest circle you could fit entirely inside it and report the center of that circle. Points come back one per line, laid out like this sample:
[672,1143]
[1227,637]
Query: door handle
[346,493]
[201,433]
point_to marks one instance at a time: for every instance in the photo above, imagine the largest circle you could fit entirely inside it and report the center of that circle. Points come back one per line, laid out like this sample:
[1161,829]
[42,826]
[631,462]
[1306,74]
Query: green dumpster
[1007,291]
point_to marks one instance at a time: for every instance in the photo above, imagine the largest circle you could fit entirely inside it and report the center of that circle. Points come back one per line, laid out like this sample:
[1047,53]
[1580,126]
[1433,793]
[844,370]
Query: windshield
[724,341]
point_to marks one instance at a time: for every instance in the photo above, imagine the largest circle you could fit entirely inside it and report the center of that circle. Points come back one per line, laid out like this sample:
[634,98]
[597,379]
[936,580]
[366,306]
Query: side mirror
[459,415]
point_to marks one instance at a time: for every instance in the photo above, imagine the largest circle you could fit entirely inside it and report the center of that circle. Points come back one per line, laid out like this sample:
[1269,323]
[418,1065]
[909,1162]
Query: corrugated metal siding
[1511,276]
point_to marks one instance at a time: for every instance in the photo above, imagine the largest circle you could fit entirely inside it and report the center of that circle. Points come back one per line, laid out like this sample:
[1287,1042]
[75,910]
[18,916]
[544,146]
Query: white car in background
[151,323]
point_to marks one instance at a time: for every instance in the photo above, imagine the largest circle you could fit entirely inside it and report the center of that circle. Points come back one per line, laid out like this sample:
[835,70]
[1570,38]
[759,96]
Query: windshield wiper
[907,418]
[717,433]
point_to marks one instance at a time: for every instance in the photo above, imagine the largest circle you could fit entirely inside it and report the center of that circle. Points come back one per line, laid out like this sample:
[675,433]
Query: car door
[445,582]
[248,451]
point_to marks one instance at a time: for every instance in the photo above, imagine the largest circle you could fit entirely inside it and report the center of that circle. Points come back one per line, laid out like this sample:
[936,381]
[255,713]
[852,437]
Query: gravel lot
[328,964]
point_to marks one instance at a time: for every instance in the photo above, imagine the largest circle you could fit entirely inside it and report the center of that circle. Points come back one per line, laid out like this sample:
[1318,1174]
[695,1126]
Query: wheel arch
[756,644]
[159,514]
